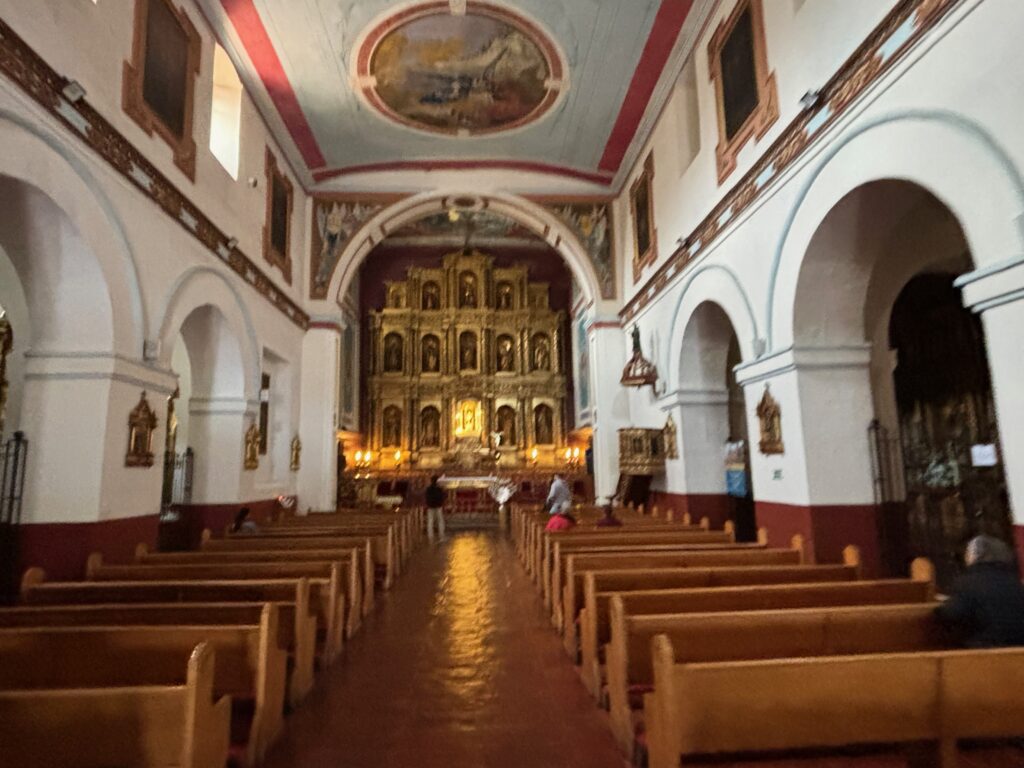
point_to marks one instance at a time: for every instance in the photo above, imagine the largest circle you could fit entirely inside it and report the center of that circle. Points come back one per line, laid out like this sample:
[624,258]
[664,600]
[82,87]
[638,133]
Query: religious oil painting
[470,73]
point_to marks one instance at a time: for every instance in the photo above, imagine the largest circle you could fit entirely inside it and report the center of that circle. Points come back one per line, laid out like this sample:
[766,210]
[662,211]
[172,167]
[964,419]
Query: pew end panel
[207,722]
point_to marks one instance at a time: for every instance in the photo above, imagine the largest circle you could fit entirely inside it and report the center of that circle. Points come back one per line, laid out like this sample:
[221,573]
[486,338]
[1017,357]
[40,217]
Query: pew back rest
[749,635]
[139,726]
[682,558]
[211,571]
[98,657]
[720,576]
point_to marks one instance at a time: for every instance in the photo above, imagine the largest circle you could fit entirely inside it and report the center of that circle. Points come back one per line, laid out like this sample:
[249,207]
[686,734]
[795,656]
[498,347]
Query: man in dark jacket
[986,604]
[435,498]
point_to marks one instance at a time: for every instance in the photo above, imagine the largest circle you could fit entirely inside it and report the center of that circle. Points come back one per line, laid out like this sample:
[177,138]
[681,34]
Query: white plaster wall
[939,119]
[102,36]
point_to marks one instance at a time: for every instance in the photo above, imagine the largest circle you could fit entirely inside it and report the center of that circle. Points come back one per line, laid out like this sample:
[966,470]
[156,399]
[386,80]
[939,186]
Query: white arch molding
[531,215]
[206,286]
[951,157]
[718,285]
[40,160]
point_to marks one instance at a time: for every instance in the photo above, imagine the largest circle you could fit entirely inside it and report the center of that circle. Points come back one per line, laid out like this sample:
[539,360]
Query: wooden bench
[832,701]
[411,523]
[387,540]
[298,638]
[381,549]
[350,560]
[630,580]
[564,554]
[250,665]
[326,583]
[707,637]
[557,546]
[306,594]
[140,726]
[595,629]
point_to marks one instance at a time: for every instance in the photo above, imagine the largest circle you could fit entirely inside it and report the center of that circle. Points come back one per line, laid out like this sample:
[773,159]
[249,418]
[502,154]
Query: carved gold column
[6,343]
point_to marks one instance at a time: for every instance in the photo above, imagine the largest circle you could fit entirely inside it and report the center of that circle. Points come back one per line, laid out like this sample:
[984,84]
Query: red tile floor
[456,667]
[459,666]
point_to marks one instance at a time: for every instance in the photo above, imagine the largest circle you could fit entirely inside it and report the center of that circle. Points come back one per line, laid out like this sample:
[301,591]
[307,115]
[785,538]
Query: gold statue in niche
[430,428]
[141,426]
[392,427]
[541,353]
[393,353]
[506,362]
[504,296]
[251,451]
[296,458]
[543,425]
[467,351]
[507,425]
[770,416]
[431,355]
[431,296]
[467,291]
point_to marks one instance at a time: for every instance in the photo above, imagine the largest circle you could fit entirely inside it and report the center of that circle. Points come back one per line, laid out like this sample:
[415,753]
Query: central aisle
[457,666]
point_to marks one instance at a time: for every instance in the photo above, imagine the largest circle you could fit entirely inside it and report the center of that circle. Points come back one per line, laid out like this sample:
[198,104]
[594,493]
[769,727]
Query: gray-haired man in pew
[986,604]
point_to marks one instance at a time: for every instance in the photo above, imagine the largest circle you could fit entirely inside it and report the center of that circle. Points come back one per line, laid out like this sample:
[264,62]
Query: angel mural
[336,223]
[591,223]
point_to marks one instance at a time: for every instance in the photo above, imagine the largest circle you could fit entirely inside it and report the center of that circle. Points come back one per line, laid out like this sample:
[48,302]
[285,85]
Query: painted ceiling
[562,88]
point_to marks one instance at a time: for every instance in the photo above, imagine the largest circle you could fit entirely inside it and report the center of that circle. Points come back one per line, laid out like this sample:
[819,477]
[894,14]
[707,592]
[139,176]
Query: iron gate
[13,455]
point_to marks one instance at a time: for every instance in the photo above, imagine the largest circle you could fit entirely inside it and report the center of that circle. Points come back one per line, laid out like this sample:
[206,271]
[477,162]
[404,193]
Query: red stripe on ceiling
[603,179]
[249,27]
[667,24]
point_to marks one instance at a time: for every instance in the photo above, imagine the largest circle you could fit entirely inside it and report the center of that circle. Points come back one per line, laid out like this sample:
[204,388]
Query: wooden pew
[298,638]
[411,522]
[557,545]
[250,665]
[142,726]
[349,559]
[594,617]
[564,551]
[832,701]
[728,636]
[325,577]
[627,580]
[382,550]
[310,609]
[386,538]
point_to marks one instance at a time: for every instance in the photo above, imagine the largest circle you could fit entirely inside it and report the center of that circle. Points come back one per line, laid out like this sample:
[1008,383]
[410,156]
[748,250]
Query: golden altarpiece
[467,369]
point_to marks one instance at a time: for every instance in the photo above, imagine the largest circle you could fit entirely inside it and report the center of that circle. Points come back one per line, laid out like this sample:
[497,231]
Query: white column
[321,368]
[821,486]
[75,417]
[702,428]
[997,294]
[216,431]
[610,402]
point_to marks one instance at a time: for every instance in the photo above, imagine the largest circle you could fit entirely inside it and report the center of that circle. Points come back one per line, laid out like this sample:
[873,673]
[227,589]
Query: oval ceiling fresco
[480,72]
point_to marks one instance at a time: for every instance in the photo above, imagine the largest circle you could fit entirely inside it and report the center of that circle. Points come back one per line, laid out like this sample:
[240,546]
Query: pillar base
[827,530]
[61,549]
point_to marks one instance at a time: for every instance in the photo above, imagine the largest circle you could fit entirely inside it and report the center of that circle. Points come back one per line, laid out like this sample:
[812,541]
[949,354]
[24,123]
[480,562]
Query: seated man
[986,604]
[609,520]
[563,521]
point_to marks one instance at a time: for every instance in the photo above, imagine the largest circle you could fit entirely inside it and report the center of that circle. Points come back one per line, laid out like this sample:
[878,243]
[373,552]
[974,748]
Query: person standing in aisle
[435,498]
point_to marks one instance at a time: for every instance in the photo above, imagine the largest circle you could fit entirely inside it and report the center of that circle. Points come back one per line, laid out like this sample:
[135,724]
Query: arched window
[394,352]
